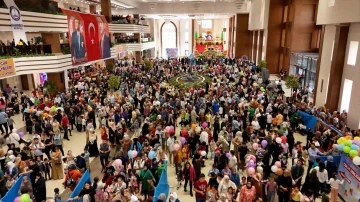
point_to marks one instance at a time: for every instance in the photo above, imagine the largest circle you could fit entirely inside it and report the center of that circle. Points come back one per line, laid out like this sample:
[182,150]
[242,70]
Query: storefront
[304,66]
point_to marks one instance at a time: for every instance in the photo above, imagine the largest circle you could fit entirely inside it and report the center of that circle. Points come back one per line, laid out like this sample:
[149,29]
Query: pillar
[337,67]
[109,62]
[243,40]
[66,78]
[138,56]
[92,8]
[106,9]
[52,39]
[260,45]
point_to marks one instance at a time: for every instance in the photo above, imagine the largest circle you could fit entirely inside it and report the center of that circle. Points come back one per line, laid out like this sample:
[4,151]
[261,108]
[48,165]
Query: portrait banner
[172,52]
[7,68]
[104,37]
[16,23]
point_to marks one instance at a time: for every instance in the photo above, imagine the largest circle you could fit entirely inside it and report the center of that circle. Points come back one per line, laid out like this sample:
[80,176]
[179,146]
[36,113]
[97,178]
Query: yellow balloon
[348,137]
[341,140]
[357,138]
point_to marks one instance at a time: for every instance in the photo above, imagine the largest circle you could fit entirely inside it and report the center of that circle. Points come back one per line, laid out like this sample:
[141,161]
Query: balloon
[279,172]
[182,140]
[274,168]
[193,126]
[348,143]
[134,153]
[204,124]
[172,128]
[251,171]
[356,160]
[357,138]
[259,169]
[47,109]
[21,134]
[151,155]
[255,146]
[167,128]
[348,137]
[251,164]
[171,131]
[176,147]
[346,149]
[53,109]
[278,164]
[353,153]
[354,147]
[203,153]
[184,132]
[356,142]
[278,140]
[118,162]
[17,199]
[264,143]
[228,155]
[197,129]
[24,198]
[46,115]
[335,146]
[341,147]
[341,140]
[129,154]
[283,138]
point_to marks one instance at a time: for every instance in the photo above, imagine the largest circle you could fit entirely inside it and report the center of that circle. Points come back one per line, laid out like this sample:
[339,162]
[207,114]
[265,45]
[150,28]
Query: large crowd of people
[240,123]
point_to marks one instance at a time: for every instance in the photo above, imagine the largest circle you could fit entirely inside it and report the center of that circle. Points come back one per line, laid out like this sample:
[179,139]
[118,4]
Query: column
[92,8]
[243,42]
[52,39]
[337,66]
[137,38]
[106,9]
[260,45]
[255,46]
[66,79]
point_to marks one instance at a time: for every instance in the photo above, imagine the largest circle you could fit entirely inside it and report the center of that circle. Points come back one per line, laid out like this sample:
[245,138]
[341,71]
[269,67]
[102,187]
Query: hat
[317,144]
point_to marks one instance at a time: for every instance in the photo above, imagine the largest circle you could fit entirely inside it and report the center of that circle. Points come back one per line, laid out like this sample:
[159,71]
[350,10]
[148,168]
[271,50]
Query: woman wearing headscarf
[247,192]
[173,197]
[126,143]
[92,144]
[27,184]
[39,188]
[57,167]
[225,184]
[89,191]
[161,198]
[12,169]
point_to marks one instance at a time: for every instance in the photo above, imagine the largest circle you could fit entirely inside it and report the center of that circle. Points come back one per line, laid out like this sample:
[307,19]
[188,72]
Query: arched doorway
[168,37]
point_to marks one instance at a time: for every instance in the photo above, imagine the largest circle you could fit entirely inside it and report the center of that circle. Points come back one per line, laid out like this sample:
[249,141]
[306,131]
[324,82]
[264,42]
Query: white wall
[258,15]
[325,65]
[338,11]
[352,73]
[5,36]
[13,81]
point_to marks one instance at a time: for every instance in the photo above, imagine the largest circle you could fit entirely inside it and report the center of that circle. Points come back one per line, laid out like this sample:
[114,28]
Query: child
[83,123]
[41,165]
[10,182]
[65,165]
[86,158]
[230,196]
[296,194]
[10,123]
[179,176]
[48,167]
[57,196]
[284,162]
[270,189]
[212,149]
[212,195]
[79,123]
[334,184]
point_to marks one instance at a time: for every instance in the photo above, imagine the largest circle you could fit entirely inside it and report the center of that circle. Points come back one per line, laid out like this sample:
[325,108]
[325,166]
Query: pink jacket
[192,173]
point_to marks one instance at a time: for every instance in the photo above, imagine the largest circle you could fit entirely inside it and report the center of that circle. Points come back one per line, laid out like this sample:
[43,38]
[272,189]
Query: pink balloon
[278,164]
[167,128]
[176,147]
[134,153]
[182,140]
[204,125]
[172,128]
[118,162]
[251,171]
[255,146]
[17,199]
[171,131]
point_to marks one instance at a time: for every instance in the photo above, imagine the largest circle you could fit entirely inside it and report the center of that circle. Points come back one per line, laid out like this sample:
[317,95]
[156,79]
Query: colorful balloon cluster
[276,168]
[349,146]
[251,163]
[170,129]
[132,154]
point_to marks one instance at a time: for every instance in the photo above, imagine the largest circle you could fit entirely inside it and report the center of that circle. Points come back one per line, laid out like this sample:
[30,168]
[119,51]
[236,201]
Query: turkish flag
[91,30]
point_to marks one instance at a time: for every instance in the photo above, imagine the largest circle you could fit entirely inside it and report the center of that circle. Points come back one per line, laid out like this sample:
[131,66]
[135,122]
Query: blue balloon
[354,147]
[152,155]
[340,147]
[129,154]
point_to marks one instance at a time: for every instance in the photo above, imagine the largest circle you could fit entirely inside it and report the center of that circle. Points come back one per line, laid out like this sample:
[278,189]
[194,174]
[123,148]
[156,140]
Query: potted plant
[262,64]
[113,82]
[65,50]
[39,40]
[148,64]
[292,82]
[52,88]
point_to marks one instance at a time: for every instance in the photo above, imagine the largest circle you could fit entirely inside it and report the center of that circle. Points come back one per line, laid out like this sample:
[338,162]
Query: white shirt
[204,137]
[322,176]
[335,183]
[170,143]
[138,165]
[256,125]
[14,138]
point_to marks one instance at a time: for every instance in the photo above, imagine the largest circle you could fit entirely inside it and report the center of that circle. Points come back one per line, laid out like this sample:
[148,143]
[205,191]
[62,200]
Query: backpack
[80,162]
[70,182]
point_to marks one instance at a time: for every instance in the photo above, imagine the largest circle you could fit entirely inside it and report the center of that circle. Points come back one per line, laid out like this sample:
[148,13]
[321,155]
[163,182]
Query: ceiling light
[121,4]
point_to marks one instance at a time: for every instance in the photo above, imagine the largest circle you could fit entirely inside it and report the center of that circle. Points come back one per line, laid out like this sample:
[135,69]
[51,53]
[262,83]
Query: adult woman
[55,125]
[27,185]
[311,183]
[225,184]
[322,175]
[104,153]
[88,190]
[39,188]
[257,177]
[57,167]
[126,143]
[189,176]
[247,192]
[92,144]
[48,145]
[57,141]
[145,174]
[12,170]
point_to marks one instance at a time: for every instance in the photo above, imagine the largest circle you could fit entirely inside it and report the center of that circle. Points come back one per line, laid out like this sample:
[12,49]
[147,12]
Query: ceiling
[188,16]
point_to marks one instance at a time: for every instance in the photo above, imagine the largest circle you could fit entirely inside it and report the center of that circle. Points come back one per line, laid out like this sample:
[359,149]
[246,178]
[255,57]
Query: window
[346,95]
[168,37]
[225,24]
[187,24]
[186,37]
[206,24]
[352,55]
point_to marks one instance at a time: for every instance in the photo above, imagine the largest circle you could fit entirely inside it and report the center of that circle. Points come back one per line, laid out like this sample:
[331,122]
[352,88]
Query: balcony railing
[24,51]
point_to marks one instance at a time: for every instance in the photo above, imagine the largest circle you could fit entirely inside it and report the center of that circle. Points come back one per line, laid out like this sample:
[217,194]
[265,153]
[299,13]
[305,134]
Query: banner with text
[172,52]
[7,68]
[88,37]
[16,23]
[350,173]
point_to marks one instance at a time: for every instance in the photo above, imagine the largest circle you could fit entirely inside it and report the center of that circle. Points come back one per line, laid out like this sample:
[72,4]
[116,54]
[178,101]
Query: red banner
[88,36]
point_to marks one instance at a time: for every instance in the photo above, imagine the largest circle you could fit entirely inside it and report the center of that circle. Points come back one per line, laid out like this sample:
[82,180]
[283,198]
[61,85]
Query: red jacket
[192,173]
[64,121]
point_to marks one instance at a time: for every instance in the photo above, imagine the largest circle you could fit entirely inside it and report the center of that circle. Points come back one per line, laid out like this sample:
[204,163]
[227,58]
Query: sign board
[7,68]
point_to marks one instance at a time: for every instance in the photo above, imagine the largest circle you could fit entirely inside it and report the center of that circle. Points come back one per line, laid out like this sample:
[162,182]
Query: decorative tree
[52,88]
[262,64]
[292,82]
[114,82]
[148,64]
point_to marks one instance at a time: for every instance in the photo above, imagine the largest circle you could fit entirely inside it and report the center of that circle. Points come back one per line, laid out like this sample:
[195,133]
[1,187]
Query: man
[33,170]
[297,172]
[72,177]
[64,125]
[284,183]
[37,147]
[200,189]
[3,123]
[78,50]
[313,155]
[104,40]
